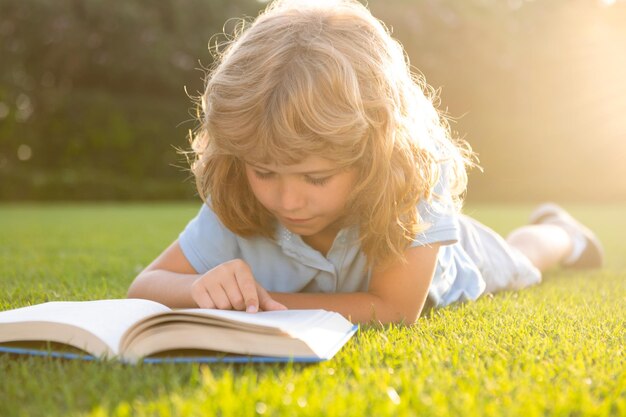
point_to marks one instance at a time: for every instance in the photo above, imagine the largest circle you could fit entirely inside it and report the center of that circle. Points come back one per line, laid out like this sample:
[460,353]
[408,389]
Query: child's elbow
[131,293]
[134,290]
[405,319]
[398,316]
[392,311]
[409,314]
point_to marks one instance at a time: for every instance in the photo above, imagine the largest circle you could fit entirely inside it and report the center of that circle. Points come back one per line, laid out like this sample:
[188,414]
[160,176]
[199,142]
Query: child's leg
[553,238]
[556,238]
[545,245]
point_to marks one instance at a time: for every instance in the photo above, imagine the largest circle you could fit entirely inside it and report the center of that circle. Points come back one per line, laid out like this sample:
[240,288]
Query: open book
[140,330]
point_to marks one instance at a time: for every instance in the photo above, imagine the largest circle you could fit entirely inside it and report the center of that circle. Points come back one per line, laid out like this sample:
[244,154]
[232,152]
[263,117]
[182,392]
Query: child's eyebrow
[314,172]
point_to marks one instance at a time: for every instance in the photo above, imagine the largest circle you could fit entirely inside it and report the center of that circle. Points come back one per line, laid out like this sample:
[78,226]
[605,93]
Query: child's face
[308,197]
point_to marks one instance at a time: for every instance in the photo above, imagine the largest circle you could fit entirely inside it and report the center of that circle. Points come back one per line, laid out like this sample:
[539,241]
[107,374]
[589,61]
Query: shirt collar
[294,247]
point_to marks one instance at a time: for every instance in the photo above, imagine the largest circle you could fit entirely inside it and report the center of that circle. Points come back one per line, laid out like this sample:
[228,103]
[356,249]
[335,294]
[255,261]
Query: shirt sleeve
[439,215]
[206,242]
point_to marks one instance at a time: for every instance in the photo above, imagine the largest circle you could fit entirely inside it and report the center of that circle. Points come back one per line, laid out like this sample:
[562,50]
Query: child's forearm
[358,307]
[165,287]
[174,290]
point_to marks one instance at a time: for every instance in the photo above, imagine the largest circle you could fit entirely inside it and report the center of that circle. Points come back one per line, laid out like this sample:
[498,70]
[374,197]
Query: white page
[106,319]
[289,321]
[323,331]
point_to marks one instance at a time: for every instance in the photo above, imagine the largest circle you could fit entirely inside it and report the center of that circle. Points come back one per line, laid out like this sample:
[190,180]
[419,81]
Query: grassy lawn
[555,349]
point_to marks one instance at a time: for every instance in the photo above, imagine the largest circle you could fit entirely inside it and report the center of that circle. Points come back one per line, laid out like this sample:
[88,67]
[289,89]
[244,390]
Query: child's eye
[263,175]
[317,181]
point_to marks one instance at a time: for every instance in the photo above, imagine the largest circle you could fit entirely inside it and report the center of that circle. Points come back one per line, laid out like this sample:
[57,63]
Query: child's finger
[233,292]
[202,298]
[248,287]
[266,302]
[219,297]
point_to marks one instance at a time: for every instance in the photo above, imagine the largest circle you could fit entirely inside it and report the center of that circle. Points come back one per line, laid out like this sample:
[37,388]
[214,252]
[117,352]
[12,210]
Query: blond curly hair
[325,78]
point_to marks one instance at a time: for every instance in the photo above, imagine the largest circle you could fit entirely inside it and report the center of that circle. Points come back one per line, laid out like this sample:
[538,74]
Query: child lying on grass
[331,181]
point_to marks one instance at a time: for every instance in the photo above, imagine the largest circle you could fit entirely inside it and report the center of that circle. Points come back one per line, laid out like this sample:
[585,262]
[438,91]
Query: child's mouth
[296,221]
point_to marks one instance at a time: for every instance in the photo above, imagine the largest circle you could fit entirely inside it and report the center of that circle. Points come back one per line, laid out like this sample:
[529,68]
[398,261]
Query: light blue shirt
[288,264]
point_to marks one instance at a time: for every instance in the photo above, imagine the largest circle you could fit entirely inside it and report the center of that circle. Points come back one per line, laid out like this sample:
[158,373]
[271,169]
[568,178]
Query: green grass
[554,349]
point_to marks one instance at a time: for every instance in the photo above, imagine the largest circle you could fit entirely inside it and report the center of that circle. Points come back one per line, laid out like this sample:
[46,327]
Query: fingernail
[251,309]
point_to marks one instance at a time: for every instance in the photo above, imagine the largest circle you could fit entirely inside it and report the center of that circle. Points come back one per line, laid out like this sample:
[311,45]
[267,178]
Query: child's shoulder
[207,223]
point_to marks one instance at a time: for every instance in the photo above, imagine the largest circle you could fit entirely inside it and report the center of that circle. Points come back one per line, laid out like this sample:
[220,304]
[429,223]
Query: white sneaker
[587,250]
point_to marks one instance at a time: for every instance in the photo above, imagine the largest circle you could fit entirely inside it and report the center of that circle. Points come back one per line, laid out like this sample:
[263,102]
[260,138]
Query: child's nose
[291,195]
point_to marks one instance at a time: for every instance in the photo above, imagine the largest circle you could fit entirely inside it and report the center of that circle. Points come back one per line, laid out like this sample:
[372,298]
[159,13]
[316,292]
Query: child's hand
[231,286]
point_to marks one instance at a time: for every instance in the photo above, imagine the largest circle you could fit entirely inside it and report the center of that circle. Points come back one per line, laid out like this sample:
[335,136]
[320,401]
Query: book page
[319,329]
[106,319]
[304,334]
[271,322]
[285,321]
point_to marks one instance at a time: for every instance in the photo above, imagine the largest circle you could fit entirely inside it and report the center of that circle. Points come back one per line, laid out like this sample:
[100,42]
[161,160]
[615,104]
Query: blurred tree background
[94,94]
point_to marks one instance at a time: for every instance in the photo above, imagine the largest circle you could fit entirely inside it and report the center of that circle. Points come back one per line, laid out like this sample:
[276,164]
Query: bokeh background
[95,94]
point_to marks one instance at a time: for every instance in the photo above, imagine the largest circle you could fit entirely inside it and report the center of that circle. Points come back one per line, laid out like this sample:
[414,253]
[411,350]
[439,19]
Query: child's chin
[300,229]
[298,224]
